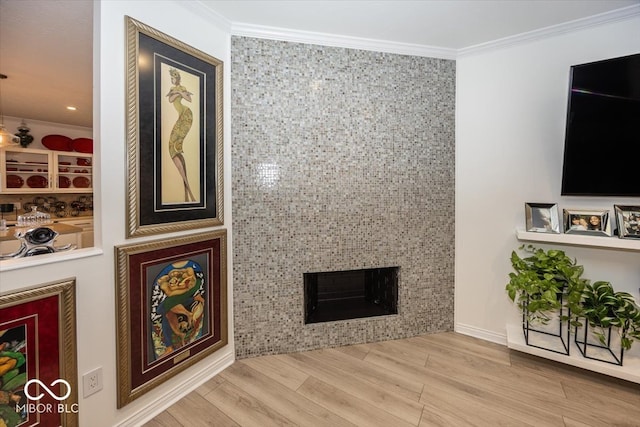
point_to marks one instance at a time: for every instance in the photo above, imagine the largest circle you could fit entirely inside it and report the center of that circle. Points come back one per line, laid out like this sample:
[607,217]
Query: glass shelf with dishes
[24,170]
[74,172]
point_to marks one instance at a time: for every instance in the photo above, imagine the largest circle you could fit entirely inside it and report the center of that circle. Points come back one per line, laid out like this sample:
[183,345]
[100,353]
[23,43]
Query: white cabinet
[24,170]
[85,237]
[9,246]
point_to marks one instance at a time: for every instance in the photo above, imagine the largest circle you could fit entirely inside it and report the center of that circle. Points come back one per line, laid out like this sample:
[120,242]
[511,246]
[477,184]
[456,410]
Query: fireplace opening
[352,294]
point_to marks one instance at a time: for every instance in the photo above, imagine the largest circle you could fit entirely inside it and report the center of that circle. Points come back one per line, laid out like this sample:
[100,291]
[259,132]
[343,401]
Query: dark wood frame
[150,56]
[139,272]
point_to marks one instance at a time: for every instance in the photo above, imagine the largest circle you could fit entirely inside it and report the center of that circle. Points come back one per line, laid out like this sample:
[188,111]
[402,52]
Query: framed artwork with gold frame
[174,134]
[38,364]
[171,308]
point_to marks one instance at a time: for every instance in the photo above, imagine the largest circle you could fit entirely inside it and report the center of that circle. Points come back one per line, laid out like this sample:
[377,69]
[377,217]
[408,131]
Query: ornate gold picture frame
[171,308]
[38,356]
[174,134]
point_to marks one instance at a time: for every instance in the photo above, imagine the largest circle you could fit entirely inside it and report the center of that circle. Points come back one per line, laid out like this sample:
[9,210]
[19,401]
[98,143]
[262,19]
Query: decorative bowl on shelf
[82,145]
[81,182]
[14,181]
[37,181]
[83,162]
[57,142]
[64,182]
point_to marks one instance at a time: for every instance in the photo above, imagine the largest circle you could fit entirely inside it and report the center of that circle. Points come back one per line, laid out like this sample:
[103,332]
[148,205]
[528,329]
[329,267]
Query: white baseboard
[174,394]
[481,333]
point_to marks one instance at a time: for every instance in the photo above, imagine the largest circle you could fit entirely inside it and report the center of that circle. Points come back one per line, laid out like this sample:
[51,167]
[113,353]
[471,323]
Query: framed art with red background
[172,308]
[38,371]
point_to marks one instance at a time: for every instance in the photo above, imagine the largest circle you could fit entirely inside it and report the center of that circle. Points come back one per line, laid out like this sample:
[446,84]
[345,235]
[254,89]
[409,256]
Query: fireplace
[341,295]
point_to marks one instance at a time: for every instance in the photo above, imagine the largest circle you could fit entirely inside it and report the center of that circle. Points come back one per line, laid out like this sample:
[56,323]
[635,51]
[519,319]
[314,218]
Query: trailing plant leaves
[603,307]
[540,279]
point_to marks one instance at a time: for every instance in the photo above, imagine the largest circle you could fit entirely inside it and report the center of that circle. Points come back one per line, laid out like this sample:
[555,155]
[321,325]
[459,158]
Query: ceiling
[46,46]
[452,24]
[46,52]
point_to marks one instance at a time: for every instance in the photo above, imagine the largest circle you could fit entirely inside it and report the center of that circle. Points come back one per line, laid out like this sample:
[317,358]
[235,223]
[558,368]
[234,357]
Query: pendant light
[6,137]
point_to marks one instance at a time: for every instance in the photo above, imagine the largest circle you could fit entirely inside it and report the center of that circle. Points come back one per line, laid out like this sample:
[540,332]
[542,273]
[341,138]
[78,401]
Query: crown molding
[200,8]
[308,37]
[566,27]
[324,39]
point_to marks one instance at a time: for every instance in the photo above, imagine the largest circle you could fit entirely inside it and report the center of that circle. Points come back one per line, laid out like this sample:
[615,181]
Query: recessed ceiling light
[71,108]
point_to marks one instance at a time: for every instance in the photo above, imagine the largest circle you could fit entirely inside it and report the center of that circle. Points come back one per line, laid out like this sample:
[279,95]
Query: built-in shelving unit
[602,242]
[24,170]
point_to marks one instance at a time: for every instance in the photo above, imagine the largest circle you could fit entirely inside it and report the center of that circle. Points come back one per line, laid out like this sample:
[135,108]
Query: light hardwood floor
[443,379]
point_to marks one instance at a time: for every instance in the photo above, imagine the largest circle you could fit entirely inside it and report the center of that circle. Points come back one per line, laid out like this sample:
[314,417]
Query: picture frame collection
[544,218]
[171,293]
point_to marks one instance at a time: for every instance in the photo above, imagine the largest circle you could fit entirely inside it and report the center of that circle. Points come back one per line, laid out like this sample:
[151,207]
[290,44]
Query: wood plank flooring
[444,379]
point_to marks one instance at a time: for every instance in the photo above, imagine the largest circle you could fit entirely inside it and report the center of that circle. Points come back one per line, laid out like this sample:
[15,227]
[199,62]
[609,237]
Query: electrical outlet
[92,382]
[17,206]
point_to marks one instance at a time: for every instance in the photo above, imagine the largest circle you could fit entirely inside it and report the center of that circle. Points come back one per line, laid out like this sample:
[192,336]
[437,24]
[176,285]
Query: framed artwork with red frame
[171,308]
[38,370]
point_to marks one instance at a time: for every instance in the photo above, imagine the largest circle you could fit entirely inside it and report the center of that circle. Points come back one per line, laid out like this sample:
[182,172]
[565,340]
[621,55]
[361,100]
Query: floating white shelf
[630,370]
[602,242]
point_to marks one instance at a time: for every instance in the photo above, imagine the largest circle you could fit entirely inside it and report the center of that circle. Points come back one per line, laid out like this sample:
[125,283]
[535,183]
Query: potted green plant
[540,279]
[544,285]
[604,309]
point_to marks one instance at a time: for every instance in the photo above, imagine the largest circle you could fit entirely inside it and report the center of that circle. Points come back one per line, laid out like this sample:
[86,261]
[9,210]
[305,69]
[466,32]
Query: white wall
[95,274]
[511,106]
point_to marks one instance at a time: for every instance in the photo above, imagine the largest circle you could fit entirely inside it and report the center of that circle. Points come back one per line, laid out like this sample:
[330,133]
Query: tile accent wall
[342,159]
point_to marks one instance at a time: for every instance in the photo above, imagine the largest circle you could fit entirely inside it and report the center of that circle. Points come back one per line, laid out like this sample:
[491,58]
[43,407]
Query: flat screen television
[602,139]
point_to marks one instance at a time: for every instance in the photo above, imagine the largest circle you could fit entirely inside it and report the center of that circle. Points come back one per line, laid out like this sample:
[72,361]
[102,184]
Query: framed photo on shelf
[591,222]
[38,356]
[628,221]
[174,134]
[542,217]
[171,308]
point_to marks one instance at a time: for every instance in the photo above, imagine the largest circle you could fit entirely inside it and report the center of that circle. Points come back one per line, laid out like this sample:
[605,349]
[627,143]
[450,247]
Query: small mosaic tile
[342,159]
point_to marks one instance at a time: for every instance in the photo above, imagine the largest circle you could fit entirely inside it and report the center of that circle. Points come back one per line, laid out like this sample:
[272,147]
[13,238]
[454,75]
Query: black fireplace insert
[341,295]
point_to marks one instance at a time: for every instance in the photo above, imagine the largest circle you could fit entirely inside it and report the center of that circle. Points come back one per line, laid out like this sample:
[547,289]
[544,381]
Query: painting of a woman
[181,128]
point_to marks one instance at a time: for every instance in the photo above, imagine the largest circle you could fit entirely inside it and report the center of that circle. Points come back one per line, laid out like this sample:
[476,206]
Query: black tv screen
[602,140]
